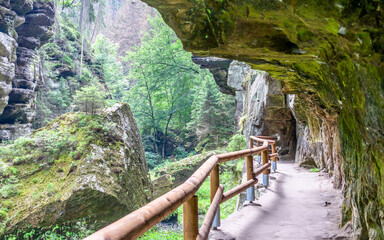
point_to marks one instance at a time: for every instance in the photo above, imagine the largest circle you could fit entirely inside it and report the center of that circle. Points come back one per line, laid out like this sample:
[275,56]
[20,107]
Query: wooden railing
[138,222]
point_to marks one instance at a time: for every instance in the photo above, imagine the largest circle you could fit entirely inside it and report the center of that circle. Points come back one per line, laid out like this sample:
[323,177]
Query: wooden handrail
[138,222]
[242,187]
[206,226]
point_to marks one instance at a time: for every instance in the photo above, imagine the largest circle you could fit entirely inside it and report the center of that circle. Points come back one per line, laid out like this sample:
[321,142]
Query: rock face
[219,69]
[318,139]
[100,172]
[330,53]
[261,107]
[27,23]
[126,25]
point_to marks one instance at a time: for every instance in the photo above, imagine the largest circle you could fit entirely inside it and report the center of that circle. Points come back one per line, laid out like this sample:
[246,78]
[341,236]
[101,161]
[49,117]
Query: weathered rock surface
[261,107]
[7,67]
[27,23]
[105,176]
[331,53]
[318,140]
[266,112]
[219,69]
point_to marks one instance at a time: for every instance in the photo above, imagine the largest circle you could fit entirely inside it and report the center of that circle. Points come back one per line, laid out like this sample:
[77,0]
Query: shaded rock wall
[264,109]
[261,107]
[331,52]
[27,23]
[219,69]
[318,139]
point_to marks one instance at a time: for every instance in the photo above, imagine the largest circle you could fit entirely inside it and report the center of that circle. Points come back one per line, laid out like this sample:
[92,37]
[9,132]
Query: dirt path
[293,207]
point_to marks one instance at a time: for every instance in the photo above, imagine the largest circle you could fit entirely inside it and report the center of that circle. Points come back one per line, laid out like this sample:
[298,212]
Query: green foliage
[76,231]
[237,143]
[164,73]
[153,159]
[89,99]
[157,233]
[172,92]
[229,177]
[314,170]
[212,116]
[108,68]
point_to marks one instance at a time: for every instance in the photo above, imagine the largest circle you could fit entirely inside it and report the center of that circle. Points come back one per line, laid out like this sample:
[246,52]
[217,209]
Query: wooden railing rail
[138,222]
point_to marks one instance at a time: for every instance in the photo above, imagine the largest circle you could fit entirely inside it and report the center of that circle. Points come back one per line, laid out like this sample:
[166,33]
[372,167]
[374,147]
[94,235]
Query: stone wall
[262,106]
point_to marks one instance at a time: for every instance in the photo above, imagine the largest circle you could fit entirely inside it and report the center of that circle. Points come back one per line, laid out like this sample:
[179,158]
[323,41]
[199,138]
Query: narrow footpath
[298,205]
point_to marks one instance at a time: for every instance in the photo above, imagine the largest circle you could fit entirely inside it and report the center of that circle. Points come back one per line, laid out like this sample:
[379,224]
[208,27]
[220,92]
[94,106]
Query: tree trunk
[165,136]
[81,54]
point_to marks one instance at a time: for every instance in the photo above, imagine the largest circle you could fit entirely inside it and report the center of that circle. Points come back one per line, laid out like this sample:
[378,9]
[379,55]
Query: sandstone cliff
[24,27]
[330,53]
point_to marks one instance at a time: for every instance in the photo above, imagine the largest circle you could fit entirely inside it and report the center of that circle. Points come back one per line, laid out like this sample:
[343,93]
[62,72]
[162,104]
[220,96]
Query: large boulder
[77,166]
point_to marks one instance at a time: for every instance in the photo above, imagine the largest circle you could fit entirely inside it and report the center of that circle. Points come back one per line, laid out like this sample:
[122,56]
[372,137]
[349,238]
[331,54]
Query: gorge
[308,72]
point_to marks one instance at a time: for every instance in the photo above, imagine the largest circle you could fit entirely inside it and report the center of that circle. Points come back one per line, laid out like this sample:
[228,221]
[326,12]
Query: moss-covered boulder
[77,166]
[332,54]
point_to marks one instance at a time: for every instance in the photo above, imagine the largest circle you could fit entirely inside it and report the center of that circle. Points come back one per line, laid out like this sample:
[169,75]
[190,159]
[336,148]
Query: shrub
[314,170]
[89,99]
[237,143]
[76,231]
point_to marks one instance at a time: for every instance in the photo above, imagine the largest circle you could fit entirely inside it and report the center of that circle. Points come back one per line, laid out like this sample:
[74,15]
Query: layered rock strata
[24,26]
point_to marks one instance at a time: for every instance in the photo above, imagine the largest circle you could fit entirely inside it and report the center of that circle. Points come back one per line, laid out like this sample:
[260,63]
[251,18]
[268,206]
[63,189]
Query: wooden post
[274,160]
[249,167]
[266,171]
[259,154]
[250,143]
[190,219]
[215,181]
[250,175]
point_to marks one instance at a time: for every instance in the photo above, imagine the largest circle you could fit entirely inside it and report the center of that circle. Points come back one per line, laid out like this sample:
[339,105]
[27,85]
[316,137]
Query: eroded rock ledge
[330,53]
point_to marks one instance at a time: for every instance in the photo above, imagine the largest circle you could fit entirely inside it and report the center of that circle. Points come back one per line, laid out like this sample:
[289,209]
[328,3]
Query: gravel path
[293,207]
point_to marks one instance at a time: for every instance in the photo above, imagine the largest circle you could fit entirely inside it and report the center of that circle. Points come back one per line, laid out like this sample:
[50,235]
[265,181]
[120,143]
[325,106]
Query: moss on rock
[331,52]
[77,166]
